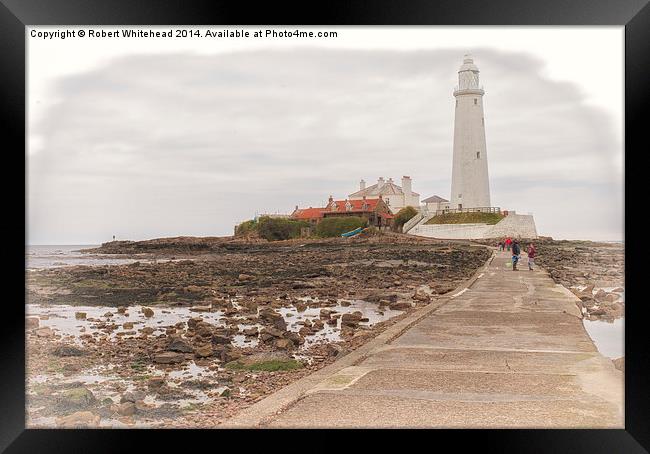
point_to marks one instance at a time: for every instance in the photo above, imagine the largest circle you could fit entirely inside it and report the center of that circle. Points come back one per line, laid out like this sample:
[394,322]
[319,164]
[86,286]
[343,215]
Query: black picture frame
[15,15]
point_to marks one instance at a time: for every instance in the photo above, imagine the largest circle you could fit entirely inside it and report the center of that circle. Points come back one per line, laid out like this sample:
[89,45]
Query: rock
[619,363]
[80,419]
[302,285]
[132,396]
[271,331]
[193,322]
[107,314]
[200,308]
[249,306]
[80,315]
[121,310]
[244,277]
[223,340]
[226,353]
[612,297]
[179,345]
[204,351]
[588,291]
[300,306]
[345,303]
[421,294]
[32,322]
[274,318]
[400,306]
[615,310]
[148,312]
[155,382]
[296,338]
[126,409]
[147,330]
[336,350]
[283,344]
[325,314]
[80,397]
[600,295]
[253,331]
[351,320]
[225,393]
[204,329]
[44,332]
[71,367]
[67,350]
[331,322]
[255,358]
[127,325]
[378,297]
[618,290]
[168,358]
[305,331]
[264,337]
[128,420]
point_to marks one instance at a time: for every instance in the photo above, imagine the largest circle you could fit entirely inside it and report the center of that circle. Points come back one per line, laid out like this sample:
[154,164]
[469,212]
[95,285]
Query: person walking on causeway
[532,252]
[516,250]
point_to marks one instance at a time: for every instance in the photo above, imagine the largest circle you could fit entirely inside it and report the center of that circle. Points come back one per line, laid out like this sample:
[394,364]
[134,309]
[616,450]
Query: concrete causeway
[506,351]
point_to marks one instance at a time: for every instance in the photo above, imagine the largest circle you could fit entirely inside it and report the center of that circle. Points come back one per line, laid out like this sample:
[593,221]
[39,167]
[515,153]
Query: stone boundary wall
[451,231]
[513,225]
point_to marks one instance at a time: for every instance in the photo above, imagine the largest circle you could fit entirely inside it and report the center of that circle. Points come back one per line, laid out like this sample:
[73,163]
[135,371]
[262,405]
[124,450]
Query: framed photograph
[360,217]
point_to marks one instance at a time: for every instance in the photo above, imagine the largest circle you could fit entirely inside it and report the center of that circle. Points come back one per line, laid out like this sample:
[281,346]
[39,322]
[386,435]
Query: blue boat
[352,232]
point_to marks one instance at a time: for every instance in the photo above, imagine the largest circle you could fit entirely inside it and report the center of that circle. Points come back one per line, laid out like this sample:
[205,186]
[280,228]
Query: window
[460,196]
[483,121]
[475,102]
[478,155]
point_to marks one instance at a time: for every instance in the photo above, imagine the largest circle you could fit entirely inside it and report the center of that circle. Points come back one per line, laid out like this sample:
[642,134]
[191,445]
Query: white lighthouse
[470,186]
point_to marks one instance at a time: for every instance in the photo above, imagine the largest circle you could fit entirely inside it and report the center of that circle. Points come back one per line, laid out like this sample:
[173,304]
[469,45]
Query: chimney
[296,208]
[380,182]
[390,180]
[406,186]
[362,185]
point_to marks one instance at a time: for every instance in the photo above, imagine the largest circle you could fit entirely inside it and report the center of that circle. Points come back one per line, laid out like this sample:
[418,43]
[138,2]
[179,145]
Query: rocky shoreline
[217,324]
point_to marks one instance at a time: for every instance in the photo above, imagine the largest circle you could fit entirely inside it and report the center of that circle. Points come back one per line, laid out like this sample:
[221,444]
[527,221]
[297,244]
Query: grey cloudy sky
[183,143]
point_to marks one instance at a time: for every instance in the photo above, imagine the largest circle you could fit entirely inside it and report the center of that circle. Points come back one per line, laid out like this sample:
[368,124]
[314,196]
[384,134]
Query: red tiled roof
[308,213]
[315,213]
[357,205]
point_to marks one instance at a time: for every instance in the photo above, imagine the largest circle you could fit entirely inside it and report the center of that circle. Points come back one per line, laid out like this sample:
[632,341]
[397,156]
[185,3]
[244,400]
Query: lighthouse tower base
[513,225]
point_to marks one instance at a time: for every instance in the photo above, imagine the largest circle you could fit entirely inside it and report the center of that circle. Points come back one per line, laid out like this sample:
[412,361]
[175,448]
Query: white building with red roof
[396,197]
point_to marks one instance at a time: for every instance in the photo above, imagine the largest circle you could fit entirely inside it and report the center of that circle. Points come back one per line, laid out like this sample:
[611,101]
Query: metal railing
[470,210]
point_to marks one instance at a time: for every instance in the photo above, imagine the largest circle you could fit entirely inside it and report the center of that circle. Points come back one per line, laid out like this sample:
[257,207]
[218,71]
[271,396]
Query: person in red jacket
[508,243]
[532,252]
